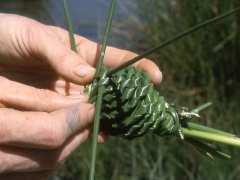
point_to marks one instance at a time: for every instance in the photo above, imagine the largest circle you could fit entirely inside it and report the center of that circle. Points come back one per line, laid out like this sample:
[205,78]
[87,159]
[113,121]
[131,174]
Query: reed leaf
[212,137]
[69,25]
[100,77]
[195,126]
[201,107]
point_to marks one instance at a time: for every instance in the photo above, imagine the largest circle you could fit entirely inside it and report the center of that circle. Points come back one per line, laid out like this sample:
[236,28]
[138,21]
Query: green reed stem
[211,136]
[100,89]
[96,131]
[201,107]
[175,38]
[195,126]
[105,37]
[69,25]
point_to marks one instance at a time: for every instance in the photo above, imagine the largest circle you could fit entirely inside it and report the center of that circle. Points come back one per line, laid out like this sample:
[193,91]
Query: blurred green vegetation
[203,67]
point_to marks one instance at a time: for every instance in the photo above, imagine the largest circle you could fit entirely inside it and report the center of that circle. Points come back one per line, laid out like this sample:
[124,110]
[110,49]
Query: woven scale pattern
[132,107]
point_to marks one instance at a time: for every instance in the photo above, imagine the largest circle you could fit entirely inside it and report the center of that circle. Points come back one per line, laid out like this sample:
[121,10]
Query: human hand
[46,78]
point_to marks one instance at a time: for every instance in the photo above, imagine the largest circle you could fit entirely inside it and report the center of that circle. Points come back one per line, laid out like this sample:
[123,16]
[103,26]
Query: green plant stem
[99,75]
[70,26]
[195,126]
[175,38]
[105,37]
[214,137]
[201,107]
[95,131]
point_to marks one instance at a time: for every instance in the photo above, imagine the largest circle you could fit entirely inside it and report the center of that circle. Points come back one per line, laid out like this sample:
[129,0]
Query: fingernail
[83,70]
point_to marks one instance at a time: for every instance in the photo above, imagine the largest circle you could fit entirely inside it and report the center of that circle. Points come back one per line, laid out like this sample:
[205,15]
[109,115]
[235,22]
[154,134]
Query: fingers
[14,160]
[101,137]
[69,89]
[150,68]
[43,130]
[44,44]
[115,57]
[20,96]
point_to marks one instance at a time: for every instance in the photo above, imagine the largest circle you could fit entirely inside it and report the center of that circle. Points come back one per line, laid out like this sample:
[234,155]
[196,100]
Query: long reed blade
[69,26]
[201,107]
[212,137]
[195,126]
[100,89]
[105,36]
[175,38]
[199,127]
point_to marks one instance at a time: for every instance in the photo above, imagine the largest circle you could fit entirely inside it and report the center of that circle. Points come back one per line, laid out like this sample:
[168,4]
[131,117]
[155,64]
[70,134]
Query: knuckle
[54,135]
[54,139]
[27,35]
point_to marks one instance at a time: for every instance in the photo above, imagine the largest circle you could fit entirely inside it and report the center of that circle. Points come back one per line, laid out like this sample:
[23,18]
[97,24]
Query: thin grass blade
[100,88]
[212,137]
[69,26]
[174,39]
[201,107]
[105,36]
[195,126]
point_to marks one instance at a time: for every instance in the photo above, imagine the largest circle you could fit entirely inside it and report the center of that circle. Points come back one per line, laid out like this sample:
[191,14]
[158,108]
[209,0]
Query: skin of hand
[44,114]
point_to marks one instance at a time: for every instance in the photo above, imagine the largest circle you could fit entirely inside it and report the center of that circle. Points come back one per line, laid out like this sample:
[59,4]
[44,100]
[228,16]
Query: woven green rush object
[132,106]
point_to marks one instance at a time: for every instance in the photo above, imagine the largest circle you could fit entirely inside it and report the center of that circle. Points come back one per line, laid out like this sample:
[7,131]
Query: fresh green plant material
[132,107]
[69,25]
[100,77]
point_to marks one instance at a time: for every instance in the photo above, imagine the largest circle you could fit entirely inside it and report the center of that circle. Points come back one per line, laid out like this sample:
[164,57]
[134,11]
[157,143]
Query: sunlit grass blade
[195,126]
[100,89]
[211,137]
[105,36]
[202,128]
[69,25]
[174,39]
[207,150]
[201,107]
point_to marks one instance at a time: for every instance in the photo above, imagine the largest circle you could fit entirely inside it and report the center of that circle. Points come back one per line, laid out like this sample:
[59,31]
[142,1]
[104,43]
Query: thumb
[64,61]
